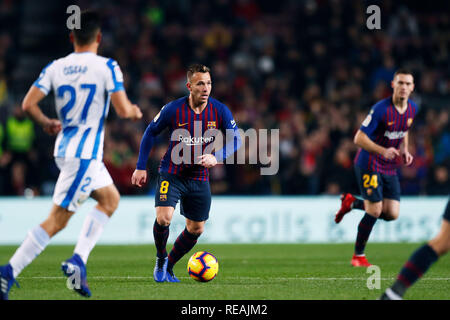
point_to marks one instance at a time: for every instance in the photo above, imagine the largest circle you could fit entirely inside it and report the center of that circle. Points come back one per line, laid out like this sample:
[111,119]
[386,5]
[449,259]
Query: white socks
[36,241]
[90,233]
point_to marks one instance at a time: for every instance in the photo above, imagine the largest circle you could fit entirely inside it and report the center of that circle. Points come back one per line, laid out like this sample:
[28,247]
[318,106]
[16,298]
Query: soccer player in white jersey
[79,81]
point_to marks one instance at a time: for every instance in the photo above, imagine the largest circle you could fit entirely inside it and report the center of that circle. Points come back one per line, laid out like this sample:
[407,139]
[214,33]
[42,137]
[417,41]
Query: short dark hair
[196,67]
[403,71]
[90,25]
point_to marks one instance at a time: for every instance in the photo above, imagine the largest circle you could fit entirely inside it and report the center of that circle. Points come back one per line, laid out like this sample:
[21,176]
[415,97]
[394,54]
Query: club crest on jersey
[409,122]
[163,197]
[211,125]
[369,192]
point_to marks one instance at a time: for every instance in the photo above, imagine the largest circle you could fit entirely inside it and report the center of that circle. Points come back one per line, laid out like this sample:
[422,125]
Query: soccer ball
[203,266]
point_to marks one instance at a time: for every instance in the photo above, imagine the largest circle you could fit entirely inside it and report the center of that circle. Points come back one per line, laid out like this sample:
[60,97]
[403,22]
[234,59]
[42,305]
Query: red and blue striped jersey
[178,114]
[386,127]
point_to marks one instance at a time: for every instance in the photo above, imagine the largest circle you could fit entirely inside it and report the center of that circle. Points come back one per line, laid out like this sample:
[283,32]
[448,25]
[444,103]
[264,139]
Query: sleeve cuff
[140,166]
[41,87]
[119,87]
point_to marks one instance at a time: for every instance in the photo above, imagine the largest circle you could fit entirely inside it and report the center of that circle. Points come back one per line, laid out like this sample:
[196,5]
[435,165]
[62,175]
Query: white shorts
[77,179]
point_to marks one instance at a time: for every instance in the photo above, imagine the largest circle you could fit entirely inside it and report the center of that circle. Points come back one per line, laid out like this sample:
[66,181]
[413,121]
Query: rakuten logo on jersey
[194,141]
[395,134]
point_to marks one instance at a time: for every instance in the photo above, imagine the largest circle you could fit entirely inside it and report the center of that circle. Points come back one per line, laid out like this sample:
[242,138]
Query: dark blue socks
[364,230]
[184,243]
[160,234]
[414,268]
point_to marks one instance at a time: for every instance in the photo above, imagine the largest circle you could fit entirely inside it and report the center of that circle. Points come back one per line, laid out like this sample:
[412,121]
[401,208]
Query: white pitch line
[228,278]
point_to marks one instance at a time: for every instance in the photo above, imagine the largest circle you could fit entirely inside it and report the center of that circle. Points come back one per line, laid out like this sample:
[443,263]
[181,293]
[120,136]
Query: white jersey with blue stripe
[82,84]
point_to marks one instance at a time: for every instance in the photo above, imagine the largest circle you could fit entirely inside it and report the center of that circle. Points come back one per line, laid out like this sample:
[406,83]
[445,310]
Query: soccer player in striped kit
[83,83]
[421,260]
[383,142]
[192,121]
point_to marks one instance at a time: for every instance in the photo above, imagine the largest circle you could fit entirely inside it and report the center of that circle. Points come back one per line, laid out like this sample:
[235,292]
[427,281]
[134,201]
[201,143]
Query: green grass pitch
[250,272]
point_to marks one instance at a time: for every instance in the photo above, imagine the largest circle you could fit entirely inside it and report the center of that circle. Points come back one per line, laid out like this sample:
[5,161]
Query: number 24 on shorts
[370,181]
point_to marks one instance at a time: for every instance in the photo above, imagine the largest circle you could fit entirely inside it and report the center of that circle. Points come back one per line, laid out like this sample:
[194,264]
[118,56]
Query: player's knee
[163,220]
[374,210]
[390,216]
[110,204]
[196,230]
[108,208]
[164,215]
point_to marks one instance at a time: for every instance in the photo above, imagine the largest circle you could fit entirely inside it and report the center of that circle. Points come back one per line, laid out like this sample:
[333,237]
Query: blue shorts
[194,195]
[375,186]
[447,211]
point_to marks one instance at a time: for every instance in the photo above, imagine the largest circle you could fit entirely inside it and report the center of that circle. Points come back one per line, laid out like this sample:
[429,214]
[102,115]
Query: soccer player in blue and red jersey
[421,260]
[383,142]
[187,181]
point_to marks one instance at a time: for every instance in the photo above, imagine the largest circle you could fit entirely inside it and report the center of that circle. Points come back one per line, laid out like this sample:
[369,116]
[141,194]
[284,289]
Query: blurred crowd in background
[310,68]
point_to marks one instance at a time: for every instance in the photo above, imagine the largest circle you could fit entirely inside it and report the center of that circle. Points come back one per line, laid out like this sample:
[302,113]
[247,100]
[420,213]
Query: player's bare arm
[124,107]
[407,157]
[31,107]
[363,141]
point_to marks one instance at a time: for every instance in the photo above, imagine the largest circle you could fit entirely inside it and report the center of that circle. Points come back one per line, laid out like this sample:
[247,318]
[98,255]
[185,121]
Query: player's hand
[391,153]
[52,127]
[207,160]
[407,158]
[139,177]
[137,113]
